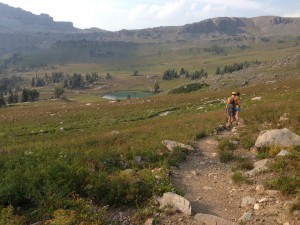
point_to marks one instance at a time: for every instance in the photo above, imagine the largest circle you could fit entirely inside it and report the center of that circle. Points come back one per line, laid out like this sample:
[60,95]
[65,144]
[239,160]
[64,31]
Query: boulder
[283,137]
[259,166]
[177,202]
[211,220]
[172,145]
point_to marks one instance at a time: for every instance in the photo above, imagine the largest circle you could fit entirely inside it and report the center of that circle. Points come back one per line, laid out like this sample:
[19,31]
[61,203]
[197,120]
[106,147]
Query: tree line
[76,80]
[235,67]
[172,73]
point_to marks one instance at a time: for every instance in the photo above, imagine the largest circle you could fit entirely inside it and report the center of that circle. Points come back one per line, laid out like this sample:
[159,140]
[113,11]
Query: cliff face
[17,20]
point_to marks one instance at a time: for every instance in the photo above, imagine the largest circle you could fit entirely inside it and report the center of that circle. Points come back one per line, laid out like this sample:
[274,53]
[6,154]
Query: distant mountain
[22,31]
[17,20]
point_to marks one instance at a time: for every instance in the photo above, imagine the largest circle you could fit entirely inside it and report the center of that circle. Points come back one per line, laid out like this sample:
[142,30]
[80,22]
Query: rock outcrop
[283,137]
[177,202]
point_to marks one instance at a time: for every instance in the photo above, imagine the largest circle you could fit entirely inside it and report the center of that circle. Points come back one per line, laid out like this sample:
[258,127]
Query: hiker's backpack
[232,103]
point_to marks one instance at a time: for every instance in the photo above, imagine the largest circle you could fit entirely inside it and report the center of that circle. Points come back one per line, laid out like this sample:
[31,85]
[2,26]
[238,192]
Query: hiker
[231,103]
[237,107]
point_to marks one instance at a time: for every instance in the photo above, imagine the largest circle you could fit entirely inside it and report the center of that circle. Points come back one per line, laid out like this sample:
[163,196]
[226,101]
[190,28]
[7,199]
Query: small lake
[127,94]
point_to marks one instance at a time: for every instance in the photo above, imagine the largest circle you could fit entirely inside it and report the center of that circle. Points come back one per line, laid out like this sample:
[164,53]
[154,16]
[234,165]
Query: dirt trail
[207,182]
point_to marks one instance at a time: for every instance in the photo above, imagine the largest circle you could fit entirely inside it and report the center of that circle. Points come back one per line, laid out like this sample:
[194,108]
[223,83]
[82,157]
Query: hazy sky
[136,14]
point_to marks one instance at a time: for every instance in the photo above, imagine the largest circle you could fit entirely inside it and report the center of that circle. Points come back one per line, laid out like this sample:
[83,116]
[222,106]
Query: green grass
[101,140]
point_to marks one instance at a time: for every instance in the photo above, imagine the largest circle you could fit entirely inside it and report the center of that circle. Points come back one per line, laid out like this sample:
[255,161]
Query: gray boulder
[283,137]
[172,145]
[177,202]
[211,220]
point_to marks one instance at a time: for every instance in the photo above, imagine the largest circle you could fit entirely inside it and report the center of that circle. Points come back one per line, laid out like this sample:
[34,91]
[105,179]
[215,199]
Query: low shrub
[286,184]
[201,134]
[243,164]
[226,145]
[226,156]
[7,217]
[238,177]
[188,88]
[247,142]
[263,152]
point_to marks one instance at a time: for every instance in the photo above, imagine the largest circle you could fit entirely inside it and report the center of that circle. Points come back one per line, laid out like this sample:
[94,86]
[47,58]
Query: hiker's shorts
[231,111]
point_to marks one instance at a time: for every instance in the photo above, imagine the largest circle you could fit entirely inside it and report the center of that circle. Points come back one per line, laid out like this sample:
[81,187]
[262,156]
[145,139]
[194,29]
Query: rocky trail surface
[210,195]
[216,199]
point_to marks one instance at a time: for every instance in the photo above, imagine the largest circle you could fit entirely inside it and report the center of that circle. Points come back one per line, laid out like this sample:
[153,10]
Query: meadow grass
[59,155]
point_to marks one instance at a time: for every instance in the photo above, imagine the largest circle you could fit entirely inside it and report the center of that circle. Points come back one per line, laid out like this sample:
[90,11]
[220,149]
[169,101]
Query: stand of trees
[172,73]
[235,67]
[30,95]
[70,81]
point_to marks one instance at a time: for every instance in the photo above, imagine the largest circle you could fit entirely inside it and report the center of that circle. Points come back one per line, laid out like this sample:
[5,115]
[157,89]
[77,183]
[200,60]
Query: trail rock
[256,98]
[248,201]
[149,221]
[259,166]
[177,201]
[283,153]
[172,145]
[284,117]
[283,137]
[259,188]
[245,218]
[211,220]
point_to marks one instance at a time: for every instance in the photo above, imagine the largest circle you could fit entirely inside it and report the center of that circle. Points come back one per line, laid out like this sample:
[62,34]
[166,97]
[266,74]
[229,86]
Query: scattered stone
[283,137]
[245,218]
[283,153]
[172,145]
[178,202]
[234,129]
[248,201]
[287,223]
[149,221]
[272,193]
[284,117]
[263,200]
[256,206]
[194,173]
[234,142]
[256,98]
[211,220]
[259,188]
[259,166]
[88,104]
[207,188]
[62,129]
[200,108]
[165,113]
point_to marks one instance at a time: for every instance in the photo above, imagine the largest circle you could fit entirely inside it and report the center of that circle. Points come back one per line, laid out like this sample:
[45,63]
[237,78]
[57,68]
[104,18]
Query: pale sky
[115,15]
